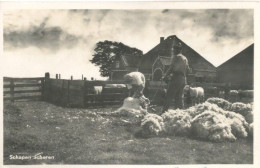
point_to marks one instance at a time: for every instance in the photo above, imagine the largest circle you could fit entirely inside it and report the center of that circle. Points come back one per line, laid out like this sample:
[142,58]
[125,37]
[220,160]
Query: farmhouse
[238,71]
[124,65]
[155,62]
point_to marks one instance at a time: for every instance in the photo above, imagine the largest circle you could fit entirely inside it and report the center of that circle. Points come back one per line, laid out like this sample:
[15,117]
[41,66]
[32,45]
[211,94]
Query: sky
[63,41]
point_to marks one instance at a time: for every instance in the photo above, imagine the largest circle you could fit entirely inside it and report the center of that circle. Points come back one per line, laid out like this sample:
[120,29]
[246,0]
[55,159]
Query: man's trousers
[175,90]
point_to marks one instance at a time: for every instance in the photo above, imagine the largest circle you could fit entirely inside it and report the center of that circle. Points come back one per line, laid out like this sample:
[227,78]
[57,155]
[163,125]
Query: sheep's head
[186,88]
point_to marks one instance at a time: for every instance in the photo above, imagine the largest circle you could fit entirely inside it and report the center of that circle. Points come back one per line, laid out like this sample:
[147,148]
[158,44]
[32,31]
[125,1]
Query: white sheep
[233,95]
[97,90]
[196,94]
[115,86]
[221,94]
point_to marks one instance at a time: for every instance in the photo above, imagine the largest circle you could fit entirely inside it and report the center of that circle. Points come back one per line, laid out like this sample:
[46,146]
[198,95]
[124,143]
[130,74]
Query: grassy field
[80,136]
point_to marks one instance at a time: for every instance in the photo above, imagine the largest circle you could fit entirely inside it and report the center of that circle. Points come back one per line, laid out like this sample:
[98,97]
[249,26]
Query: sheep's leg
[202,99]
[196,100]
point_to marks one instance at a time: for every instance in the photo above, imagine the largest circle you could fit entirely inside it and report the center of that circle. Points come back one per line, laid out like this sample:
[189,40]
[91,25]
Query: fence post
[42,89]
[47,75]
[85,79]
[84,93]
[45,93]
[82,77]
[57,77]
[12,90]
[71,78]
[68,101]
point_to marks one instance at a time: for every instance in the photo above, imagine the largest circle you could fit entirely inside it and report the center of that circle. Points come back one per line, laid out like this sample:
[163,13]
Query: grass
[79,136]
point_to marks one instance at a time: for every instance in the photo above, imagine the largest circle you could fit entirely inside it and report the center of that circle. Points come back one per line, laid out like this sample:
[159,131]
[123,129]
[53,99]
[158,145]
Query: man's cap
[177,45]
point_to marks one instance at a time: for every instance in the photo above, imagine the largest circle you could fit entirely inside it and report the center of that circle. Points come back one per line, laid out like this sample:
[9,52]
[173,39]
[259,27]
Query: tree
[106,52]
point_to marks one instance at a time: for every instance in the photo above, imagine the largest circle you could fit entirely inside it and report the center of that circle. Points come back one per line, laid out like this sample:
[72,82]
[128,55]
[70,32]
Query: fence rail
[23,88]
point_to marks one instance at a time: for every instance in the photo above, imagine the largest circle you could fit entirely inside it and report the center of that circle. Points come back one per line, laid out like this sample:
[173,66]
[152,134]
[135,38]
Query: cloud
[217,34]
[44,37]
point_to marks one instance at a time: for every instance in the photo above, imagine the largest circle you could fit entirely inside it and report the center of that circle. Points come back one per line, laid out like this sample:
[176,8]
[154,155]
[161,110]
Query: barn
[155,62]
[238,71]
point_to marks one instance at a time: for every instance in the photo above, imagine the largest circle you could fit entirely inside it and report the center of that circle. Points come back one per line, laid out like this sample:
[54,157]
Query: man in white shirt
[176,78]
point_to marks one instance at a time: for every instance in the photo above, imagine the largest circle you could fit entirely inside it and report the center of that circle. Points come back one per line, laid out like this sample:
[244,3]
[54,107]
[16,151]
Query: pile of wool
[224,104]
[152,124]
[236,121]
[177,122]
[241,108]
[213,126]
[238,124]
[206,106]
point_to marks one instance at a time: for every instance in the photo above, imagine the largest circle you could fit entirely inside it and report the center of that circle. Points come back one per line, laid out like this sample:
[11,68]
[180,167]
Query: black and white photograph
[166,85]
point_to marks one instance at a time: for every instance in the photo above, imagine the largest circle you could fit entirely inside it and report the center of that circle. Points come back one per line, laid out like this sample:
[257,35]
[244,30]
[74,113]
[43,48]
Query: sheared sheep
[196,93]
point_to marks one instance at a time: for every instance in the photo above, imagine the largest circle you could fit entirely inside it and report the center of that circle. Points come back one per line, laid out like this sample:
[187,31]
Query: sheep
[196,94]
[245,93]
[97,90]
[233,95]
[115,86]
[221,94]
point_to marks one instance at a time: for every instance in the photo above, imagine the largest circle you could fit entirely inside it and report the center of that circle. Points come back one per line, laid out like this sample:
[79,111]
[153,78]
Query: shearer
[136,83]
[175,77]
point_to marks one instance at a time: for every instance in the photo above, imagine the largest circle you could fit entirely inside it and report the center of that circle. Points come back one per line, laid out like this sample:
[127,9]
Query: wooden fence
[23,88]
[71,93]
[81,93]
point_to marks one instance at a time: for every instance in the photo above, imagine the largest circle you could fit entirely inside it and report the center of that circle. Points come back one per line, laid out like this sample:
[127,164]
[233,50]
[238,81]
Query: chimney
[161,39]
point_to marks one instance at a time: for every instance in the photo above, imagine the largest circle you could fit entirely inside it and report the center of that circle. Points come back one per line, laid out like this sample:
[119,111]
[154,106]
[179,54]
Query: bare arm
[189,70]
[170,68]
